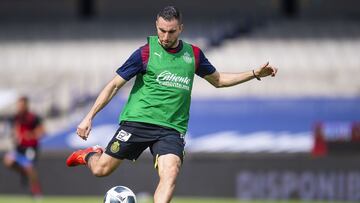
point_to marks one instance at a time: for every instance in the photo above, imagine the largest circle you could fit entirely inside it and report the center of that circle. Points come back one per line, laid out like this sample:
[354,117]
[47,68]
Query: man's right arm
[133,66]
[104,97]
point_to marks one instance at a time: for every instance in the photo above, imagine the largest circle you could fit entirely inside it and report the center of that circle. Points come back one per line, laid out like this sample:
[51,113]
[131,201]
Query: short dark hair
[24,98]
[169,13]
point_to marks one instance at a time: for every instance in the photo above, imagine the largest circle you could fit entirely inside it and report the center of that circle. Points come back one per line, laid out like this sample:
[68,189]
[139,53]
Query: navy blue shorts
[132,138]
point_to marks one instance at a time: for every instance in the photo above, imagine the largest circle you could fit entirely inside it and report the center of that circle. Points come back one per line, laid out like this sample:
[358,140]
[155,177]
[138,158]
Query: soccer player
[157,112]
[27,129]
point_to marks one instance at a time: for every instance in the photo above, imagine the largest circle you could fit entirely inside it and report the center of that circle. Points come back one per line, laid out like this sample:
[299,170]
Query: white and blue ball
[120,194]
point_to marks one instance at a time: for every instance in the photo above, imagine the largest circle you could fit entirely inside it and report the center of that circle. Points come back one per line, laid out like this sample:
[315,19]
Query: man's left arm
[39,129]
[219,79]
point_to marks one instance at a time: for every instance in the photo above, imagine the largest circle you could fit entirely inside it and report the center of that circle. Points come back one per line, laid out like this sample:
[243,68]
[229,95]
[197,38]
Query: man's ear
[181,27]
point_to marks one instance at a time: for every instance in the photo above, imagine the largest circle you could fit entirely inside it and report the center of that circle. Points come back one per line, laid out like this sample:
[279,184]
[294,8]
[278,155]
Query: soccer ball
[120,194]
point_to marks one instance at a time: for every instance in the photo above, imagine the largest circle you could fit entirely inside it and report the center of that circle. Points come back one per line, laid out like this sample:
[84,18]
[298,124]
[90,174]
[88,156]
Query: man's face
[168,32]
[22,106]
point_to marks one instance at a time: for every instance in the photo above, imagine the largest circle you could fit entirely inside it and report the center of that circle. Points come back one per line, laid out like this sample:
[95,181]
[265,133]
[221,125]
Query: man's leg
[33,178]
[98,162]
[168,169]
[102,164]
[12,161]
[7,161]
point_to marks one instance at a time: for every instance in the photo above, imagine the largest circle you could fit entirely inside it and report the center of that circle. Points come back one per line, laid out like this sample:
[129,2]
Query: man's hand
[84,128]
[104,97]
[266,70]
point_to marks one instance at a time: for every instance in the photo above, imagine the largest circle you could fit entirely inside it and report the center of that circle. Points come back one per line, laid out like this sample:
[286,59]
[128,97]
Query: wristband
[257,77]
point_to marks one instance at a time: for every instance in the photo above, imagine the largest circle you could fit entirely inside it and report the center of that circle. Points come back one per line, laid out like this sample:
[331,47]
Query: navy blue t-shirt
[137,62]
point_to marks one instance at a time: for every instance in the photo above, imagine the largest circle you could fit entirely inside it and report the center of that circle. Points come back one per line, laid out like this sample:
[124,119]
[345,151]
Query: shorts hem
[119,157]
[165,153]
[114,156]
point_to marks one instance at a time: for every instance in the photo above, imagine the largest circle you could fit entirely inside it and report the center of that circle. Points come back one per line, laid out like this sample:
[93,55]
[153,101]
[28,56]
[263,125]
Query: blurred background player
[27,130]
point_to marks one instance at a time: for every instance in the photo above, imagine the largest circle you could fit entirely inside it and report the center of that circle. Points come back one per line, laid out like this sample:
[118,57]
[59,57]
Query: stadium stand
[316,54]
[321,56]
[71,62]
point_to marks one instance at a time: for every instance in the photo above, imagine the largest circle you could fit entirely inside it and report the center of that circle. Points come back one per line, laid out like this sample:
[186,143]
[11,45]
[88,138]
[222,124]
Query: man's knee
[168,172]
[104,165]
[29,169]
[8,162]
[101,171]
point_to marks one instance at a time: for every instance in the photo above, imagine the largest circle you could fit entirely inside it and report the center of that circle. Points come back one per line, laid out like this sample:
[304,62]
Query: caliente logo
[167,78]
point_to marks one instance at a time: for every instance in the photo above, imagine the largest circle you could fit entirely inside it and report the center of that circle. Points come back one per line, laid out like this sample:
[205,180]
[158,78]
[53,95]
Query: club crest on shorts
[115,147]
[123,136]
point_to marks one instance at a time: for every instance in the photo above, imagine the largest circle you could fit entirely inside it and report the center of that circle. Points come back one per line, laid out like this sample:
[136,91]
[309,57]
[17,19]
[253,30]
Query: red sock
[35,189]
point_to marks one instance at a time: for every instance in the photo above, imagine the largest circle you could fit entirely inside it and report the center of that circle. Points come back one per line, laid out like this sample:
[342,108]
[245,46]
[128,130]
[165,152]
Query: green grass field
[88,199]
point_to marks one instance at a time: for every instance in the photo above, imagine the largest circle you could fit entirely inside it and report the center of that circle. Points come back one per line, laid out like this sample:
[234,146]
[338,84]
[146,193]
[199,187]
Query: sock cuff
[88,156]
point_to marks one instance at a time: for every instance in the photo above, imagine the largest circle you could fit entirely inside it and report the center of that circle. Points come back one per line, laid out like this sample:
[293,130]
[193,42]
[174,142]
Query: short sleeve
[132,66]
[204,67]
[37,121]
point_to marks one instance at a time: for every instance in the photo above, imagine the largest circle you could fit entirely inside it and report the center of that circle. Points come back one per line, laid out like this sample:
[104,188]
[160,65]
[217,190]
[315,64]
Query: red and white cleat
[78,157]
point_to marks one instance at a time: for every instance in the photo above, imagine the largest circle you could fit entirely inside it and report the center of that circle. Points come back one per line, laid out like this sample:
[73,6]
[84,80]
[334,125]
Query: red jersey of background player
[25,127]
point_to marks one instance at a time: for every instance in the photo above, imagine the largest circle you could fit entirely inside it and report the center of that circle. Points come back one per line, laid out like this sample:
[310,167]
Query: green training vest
[162,95]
